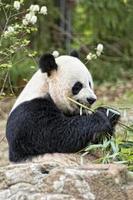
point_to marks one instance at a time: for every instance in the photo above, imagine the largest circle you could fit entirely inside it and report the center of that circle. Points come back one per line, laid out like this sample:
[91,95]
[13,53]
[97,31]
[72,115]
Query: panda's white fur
[36,87]
[59,84]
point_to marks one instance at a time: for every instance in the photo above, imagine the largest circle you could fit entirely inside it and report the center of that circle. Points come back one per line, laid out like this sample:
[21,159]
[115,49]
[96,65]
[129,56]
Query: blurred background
[80,25]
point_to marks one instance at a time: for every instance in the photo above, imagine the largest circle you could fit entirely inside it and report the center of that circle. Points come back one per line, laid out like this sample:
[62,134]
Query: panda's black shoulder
[44,105]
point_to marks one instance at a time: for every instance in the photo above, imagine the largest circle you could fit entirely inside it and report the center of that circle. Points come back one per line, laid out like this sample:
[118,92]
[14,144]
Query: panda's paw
[112,114]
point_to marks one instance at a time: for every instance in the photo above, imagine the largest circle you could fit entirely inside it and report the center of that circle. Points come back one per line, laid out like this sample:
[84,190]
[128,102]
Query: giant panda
[43,119]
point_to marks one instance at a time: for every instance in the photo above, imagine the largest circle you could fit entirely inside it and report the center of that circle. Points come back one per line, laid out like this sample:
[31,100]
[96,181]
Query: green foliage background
[109,22]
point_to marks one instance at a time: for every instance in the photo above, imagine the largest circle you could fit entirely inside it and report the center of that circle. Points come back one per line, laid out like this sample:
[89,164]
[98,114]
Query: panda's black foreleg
[76,132]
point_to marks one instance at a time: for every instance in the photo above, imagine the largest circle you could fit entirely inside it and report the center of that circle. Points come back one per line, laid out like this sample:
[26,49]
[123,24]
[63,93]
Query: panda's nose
[91,100]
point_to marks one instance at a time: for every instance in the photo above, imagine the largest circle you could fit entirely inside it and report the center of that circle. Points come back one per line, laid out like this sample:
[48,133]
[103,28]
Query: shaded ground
[120,96]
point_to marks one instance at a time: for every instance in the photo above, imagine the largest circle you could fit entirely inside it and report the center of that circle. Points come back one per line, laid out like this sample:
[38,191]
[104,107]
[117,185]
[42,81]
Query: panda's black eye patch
[77,87]
[90,84]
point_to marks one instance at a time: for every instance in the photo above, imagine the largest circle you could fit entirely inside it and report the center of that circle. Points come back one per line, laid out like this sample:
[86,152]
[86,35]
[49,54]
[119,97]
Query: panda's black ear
[74,53]
[47,64]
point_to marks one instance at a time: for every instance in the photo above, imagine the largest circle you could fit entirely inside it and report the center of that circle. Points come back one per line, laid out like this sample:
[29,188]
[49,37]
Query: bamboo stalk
[125,126]
[79,104]
[85,107]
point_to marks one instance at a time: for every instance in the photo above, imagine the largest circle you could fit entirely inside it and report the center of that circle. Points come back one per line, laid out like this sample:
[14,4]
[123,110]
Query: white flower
[43,10]
[89,56]
[16,5]
[99,47]
[31,7]
[34,8]
[94,56]
[25,22]
[10,29]
[6,33]
[28,16]
[98,53]
[33,19]
[55,54]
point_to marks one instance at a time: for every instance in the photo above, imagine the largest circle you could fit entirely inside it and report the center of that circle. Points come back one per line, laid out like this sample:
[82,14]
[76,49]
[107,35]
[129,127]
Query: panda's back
[28,125]
[32,112]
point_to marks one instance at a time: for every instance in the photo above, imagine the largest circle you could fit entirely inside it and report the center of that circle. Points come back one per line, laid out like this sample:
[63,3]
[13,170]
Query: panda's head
[67,77]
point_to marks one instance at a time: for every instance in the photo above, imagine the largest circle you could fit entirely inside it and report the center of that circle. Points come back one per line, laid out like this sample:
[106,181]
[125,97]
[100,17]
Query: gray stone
[44,180]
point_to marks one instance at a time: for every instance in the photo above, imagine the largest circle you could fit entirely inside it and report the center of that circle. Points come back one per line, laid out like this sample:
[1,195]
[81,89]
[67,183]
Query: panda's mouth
[77,110]
[81,108]
[78,106]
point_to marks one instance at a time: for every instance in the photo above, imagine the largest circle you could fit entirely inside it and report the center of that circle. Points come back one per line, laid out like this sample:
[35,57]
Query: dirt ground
[5,106]
[106,94]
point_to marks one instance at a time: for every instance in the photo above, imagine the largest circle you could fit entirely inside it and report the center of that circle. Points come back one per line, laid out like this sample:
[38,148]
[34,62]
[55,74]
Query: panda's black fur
[37,127]
[47,63]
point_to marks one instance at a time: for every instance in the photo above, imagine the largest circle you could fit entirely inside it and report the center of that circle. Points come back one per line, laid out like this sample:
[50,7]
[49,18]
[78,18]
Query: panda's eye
[90,84]
[76,88]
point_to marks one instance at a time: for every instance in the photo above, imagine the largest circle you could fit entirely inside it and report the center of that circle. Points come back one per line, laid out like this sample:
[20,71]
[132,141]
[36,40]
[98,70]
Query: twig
[33,59]
[2,138]
[17,14]
[7,20]
[3,86]
[10,84]
[125,126]
[5,13]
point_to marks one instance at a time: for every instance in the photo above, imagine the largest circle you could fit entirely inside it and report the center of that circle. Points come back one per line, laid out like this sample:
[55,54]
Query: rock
[50,180]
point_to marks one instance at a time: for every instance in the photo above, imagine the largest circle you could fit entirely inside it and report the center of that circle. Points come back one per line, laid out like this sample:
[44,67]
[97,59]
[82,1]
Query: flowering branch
[92,56]
[15,34]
